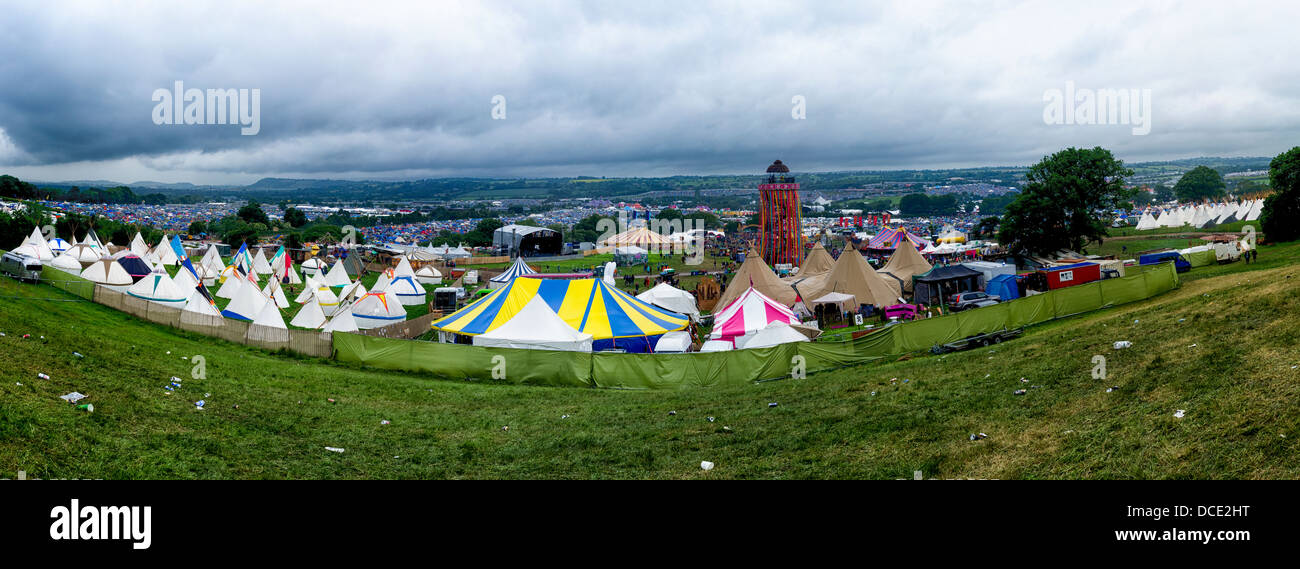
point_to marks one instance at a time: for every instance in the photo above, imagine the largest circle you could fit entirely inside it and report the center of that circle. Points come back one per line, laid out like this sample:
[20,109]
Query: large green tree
[1062,201]
[1280,219]
[1200,183]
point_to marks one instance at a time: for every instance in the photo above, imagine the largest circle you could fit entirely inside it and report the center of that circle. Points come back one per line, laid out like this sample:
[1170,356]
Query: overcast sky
[350,90]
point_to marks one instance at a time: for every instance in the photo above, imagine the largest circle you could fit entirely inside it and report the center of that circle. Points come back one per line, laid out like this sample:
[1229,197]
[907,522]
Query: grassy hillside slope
[1222,347]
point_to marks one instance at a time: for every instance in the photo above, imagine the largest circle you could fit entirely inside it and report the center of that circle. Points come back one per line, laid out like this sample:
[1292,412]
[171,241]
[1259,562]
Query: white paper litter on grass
[72,397]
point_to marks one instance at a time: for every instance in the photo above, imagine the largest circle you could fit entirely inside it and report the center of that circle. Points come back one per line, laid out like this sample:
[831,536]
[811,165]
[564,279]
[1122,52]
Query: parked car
[21,267]
[977,341]
[965,300]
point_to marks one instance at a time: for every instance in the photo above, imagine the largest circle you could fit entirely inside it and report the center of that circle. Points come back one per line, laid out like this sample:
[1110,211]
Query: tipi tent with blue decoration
[516,270]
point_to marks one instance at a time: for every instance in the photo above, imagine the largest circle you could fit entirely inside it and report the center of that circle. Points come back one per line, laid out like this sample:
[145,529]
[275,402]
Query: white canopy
[536,327]
[672,298]
[674,342]
[774,334]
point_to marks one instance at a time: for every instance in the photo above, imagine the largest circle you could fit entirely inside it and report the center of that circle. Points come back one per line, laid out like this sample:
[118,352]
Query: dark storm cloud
[617,89]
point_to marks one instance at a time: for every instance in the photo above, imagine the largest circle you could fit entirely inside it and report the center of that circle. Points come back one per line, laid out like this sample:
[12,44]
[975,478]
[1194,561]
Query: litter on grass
[72,397]
[333,449]
[1123,344]
[1179,414]
[706,465]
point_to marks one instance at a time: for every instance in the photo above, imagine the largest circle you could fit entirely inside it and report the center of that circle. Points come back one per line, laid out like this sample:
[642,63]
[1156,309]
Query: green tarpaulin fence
[676,371]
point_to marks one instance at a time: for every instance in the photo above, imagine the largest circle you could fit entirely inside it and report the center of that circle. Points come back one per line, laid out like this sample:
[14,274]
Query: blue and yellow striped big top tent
[614,318]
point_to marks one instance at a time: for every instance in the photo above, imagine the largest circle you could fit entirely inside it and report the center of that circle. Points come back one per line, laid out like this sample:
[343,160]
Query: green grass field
[1221,347]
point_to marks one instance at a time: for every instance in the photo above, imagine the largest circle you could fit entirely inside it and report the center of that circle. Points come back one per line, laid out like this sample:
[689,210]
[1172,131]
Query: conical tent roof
[200,305]
[403,268]
[37,240]
[775,334]
[259,263]
[230,288]
[67,263]
[107,272]
[274,292]
[58,246]
[342,322]
[309,316]
[308,290]
[638,236]
[515,270]
[212,259]
[163,251]
[269,315]
[381,283]
[247,303]
[750,312]
[853,275]
[905,263]
[818,261]
[158,288]
[138,246]
[337,275]
[755,273]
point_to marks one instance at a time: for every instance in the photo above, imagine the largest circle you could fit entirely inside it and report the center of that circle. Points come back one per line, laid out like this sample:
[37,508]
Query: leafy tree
[1199,183]
[1164,193]
[987,226]
[293,240]
[252,212]
[240,233]
[11,187]
[1059,206]
[197,227]
[295,217]
[1280,218]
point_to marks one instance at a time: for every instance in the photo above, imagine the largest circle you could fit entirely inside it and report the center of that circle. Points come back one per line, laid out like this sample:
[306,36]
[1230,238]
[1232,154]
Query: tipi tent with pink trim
[750,312]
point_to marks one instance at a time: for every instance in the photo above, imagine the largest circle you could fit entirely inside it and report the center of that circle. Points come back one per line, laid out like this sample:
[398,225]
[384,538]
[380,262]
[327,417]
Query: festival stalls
[1003,286]
[775,334]
[614,319]
[839,301]
[639,237]
[754,273]
[933,287]
[852,275]
[312,266]
[429,275]
[905,263]
[536,327]
[990,270]
[375,309]
[817,262]
[134,265]
[889,238]
[309,316]
[159,288]
[138,246]
[337,276]
[951,235]
[671,298]
[107,272]
[750,312]
[515,270]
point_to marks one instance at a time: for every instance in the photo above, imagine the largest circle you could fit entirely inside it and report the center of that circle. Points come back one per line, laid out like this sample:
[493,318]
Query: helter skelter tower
[781,239]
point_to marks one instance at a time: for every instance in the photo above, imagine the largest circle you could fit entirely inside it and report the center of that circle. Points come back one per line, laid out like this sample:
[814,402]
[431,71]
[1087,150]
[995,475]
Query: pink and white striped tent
[750,312]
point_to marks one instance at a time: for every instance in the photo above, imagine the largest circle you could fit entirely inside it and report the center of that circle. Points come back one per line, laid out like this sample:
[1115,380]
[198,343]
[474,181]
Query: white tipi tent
[247,304]
[342,322]
[259,263]
[230,288]
[212,260]
[269,315]
[274,292]
[138,246]
[309,316]
[159,288]
[164,253]
[337,275]
[378,309]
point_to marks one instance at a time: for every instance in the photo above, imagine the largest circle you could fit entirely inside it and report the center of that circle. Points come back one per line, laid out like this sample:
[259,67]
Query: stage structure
[781,239]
